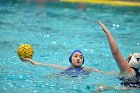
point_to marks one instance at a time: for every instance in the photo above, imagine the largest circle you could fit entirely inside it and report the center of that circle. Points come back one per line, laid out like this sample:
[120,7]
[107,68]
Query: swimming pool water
[54,31]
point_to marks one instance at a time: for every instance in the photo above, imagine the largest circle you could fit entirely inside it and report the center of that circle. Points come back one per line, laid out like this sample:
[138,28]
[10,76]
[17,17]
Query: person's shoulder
[91,69]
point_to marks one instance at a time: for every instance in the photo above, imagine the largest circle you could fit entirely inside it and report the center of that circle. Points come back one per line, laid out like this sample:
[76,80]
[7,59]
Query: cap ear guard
[135,60]
[138,59]
[70,59]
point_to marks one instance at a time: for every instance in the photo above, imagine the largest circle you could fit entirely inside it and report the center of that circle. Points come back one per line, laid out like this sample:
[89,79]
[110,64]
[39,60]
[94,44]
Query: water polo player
[76,59]
[129,69]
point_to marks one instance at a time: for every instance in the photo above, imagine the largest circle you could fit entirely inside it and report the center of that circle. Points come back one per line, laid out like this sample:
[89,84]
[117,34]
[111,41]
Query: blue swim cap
[70,58]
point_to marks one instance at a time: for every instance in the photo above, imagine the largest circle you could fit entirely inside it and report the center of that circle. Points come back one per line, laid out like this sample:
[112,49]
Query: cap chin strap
[76,66]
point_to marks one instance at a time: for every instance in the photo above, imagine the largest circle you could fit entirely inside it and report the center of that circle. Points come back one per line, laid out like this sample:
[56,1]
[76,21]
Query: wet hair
[70,58]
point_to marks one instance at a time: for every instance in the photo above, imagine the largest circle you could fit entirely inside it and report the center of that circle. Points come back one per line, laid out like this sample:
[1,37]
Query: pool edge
[107,2]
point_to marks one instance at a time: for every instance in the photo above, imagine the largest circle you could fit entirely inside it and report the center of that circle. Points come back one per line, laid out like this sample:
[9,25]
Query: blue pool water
[54,31]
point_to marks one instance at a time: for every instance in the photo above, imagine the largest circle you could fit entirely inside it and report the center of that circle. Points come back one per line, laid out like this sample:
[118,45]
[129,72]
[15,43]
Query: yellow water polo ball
[25,51]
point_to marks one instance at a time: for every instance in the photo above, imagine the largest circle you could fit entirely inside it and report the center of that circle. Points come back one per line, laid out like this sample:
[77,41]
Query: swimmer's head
[76,58]
[134,60]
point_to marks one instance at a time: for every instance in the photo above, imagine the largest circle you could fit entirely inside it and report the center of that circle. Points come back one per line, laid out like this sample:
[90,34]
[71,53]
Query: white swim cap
[135,60]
